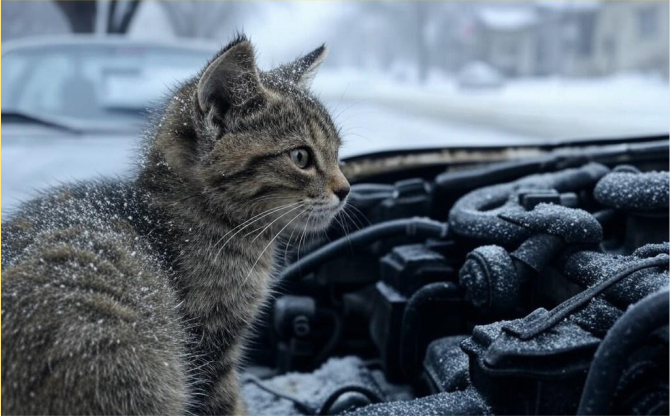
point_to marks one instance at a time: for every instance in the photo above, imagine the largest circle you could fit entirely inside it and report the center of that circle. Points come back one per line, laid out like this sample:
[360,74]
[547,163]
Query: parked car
[74,106]
[480,75]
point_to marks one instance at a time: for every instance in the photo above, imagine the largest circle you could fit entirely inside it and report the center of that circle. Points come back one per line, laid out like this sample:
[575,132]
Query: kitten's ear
[302,70]
[231,79]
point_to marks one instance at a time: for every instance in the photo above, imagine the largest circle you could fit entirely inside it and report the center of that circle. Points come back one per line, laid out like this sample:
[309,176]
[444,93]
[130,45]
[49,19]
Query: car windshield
[93,84]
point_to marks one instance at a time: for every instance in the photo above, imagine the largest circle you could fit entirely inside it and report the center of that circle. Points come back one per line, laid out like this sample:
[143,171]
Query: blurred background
[80,76]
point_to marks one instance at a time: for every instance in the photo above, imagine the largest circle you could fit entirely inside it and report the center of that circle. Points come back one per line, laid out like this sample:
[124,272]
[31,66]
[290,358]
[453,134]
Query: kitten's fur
[126,297]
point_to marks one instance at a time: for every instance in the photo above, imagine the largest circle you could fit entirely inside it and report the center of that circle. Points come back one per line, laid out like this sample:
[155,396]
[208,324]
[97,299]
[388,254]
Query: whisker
[346,233]
[311,236]
[267,198]
[358,212]
[273,221]
[351,219]
[304,231]
[288,243]
[268,244]
[247,223]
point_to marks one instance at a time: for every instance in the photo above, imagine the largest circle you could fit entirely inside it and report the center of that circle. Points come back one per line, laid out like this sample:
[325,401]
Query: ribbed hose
[410,227]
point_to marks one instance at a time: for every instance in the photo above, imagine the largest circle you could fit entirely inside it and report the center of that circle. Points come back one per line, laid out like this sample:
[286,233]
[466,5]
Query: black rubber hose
[411,227]
[334,339]
[475,216]
[411,324]
[494,173]
[306,408]
[299,404]
[628,334]
[605,216]
[332,398]
[583,298]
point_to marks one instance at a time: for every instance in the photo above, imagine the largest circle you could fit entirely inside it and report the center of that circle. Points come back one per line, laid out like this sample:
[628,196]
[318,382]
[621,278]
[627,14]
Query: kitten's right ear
[230,80]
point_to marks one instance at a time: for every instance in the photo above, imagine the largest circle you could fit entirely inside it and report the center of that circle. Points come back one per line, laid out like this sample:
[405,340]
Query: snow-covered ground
[33,163]
[313,388]
[541,108]
[378,112]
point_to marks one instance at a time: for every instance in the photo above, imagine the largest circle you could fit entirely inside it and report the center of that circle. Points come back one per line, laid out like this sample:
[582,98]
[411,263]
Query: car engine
[530,286]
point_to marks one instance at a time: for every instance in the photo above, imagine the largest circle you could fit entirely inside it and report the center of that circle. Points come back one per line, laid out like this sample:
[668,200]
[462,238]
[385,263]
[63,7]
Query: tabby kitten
[135,296]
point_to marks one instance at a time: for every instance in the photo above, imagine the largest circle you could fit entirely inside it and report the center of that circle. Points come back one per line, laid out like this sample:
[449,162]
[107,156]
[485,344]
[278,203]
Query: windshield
[93,84]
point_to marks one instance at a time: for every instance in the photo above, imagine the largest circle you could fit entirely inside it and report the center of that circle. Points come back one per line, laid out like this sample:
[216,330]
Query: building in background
[631,36]
[574,38]
[571,38]
[507,39]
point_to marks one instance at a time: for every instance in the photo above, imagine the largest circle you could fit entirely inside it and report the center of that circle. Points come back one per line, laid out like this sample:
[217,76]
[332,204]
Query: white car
[478,74]
[64,96]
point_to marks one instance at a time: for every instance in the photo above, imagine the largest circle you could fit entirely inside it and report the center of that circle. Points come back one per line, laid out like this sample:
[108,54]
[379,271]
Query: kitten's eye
[301,158]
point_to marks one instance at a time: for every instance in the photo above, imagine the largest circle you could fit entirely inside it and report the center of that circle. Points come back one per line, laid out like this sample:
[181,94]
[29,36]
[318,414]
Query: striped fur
[135,296]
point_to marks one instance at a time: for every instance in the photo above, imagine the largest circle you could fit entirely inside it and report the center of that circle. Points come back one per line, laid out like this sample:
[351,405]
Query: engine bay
[535,285]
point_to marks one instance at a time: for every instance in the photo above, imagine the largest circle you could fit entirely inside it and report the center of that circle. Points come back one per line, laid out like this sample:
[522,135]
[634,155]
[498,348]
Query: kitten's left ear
[231,80]
[302,70]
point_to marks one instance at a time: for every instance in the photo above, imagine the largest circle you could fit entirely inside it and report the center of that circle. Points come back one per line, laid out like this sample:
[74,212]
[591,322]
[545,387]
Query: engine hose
[475,216]
[411,323]
[370,394]
[628,334]
[324,409]
[298,403]
[334,340]
[410,227]
[581,299]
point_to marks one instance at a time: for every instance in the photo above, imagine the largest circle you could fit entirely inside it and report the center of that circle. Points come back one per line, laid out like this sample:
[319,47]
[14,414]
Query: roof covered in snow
[569,5]
[507,18]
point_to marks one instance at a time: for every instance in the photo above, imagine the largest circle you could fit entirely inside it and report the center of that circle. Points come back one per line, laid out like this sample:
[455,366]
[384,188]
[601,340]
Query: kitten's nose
[342,192]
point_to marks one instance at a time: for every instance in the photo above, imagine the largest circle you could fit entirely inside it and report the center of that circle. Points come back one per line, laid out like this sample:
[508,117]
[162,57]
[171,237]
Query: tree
[405,31]
[119,17]
[82,14]
[202,19]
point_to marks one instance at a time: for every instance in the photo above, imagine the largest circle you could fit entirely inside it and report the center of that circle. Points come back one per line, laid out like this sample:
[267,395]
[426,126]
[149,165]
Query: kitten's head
[255,142]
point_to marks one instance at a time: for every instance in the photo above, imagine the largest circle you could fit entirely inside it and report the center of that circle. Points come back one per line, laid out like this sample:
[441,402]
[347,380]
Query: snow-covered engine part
[547,293]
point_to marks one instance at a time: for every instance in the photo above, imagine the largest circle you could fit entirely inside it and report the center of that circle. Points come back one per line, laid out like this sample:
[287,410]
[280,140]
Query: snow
[315,27]
[32,163]
[476,215]
[573,225]
[465,402]
[597,317]
[313,388]
[570,5]
[447,365]
[151,22]
[547,109]
[590,268]
[377,111]
[636,192]
[507,19]
[490,280]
